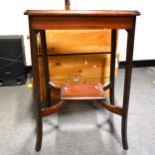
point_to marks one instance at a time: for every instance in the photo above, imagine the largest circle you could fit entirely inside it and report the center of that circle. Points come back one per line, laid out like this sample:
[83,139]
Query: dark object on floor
[12,65]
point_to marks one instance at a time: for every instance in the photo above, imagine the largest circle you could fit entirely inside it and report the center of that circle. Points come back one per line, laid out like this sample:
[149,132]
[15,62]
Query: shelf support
[112,108]
[54,108]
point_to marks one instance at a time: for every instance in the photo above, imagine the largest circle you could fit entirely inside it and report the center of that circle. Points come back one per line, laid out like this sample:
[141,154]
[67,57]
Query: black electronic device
[12,61]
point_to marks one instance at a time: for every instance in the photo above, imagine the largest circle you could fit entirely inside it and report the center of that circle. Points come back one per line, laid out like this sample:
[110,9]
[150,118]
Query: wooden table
[41,20]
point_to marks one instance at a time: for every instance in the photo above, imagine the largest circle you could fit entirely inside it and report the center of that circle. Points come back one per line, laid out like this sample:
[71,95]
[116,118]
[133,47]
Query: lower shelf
[82,92]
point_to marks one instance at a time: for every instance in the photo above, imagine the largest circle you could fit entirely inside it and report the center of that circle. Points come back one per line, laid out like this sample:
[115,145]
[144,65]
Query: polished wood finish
[112,65]
[36,87]
[79,69]
[61,20]
[86,67]
[42,20]
[112,108]
[82,92]
[76,22]
[83,13]
[45,65]
[127,81]
[53,86]
[52,109]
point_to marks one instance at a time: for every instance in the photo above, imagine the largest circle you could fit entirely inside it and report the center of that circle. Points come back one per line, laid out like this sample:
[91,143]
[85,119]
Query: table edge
[82,13]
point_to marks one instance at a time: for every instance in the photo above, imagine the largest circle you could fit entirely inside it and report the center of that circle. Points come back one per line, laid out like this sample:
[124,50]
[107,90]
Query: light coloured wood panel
[77,69]
[95,69]
[65,41]
[94,66]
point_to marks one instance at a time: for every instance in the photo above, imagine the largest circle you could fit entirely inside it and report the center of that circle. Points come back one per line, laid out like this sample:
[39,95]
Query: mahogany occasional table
[41,20]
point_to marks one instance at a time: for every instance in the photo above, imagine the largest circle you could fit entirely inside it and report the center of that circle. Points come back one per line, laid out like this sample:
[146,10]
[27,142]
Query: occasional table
[41,20]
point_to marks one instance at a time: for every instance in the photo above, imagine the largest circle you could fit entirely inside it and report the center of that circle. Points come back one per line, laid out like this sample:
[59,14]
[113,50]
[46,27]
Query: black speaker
[12,61]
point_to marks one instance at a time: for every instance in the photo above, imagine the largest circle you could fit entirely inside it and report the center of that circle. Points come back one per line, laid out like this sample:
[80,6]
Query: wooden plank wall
[81,68]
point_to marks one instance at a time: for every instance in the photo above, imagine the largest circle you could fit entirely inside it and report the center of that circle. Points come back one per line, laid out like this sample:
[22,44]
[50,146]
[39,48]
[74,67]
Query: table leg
[112,65]
[46,67]
[36,87]
[128,71]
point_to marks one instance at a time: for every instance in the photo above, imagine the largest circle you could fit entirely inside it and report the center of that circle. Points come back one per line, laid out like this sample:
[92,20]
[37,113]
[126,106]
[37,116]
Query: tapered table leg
[36,87]
[112,65]
[128,71]
[46,67]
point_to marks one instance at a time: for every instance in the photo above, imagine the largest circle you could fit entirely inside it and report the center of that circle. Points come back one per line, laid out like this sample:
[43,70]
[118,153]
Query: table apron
[61,23]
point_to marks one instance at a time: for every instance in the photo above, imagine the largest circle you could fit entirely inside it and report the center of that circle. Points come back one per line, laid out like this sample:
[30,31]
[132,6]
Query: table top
[82,13]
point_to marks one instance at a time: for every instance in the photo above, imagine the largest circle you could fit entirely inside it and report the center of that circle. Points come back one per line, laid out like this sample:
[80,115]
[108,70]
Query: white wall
[145,27]
[13,22]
